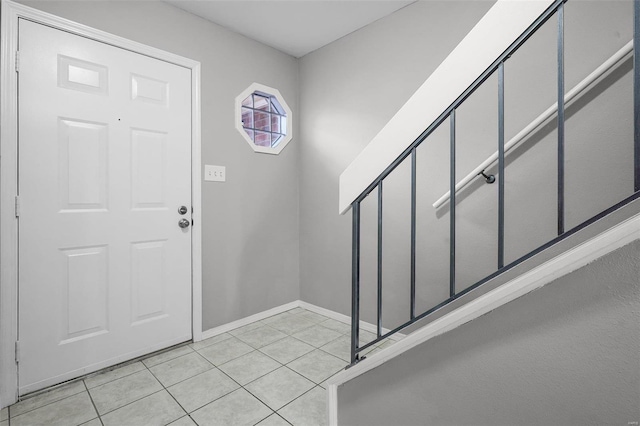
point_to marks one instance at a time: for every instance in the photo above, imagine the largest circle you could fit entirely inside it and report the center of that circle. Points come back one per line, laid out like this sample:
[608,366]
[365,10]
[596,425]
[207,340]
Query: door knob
[183,210]
[183,223]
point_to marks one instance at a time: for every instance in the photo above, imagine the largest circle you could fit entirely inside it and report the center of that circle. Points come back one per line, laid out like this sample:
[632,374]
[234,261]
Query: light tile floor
[269,373]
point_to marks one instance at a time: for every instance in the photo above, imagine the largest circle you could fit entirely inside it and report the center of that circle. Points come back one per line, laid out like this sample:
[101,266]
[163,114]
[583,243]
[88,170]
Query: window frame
[283,111]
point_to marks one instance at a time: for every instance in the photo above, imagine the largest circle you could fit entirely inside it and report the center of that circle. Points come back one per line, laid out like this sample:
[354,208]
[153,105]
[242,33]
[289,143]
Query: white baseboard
[286,307]
[347,319]
[248,320]
[571,260]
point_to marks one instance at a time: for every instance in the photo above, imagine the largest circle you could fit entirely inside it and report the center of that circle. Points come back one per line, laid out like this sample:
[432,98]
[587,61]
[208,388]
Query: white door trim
[10,14]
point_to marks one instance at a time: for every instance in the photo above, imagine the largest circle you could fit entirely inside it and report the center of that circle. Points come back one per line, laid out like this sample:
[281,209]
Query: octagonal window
[264,119]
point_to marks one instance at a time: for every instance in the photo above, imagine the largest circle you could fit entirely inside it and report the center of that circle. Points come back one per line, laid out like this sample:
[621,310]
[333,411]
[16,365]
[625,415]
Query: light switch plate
[215,173]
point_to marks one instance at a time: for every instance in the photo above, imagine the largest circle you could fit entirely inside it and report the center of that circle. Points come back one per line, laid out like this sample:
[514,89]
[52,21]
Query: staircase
[540,173]
[518,176]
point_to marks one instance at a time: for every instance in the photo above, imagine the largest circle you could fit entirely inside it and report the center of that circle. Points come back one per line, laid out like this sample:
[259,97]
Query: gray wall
[566,354]
[349,91]
[352,87]
[250,223]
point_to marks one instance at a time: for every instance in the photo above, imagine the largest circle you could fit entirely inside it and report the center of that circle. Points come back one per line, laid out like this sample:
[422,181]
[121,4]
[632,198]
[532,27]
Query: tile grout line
[314,348]
[264,418]
[167,390]
[238,388]
[251,393]
[246,390]
[216,367]
[39,392]
[249,353]
[216,399]
[297,358]
[167,360]
[220,397]
[48,403]
[192,344]
[173,359]
[93,403]
[273,413]
[287,421]
[316,385]
[90,375]
[263,402]
[127,404]
[297,398]
[254,349]
[113,380]
[324,380]
[141,398]
[275,341]
[306,328]
[267,355]
[301,375]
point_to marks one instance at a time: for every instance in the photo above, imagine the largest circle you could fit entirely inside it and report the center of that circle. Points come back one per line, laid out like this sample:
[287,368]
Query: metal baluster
[561,119]
[355,283]
[413,233]
[636,93]
[380,259]
[452,204]
[501,165]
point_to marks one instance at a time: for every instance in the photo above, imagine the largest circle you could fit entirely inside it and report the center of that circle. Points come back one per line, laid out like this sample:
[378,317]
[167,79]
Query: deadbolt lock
[183,210]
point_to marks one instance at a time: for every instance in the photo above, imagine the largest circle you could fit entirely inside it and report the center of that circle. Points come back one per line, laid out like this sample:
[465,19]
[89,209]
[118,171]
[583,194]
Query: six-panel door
[104,165]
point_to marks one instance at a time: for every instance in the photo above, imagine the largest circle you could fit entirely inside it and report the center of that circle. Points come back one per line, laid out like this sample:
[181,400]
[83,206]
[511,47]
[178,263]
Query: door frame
[10,14]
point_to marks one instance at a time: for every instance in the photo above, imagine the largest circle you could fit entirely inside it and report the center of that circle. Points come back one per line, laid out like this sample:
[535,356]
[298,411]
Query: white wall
[250,229]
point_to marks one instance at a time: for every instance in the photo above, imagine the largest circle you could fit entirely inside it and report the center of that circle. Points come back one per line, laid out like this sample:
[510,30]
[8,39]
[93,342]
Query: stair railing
[556,111]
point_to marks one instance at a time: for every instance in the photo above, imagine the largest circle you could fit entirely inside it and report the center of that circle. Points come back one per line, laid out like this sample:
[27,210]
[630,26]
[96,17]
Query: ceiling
[296,27]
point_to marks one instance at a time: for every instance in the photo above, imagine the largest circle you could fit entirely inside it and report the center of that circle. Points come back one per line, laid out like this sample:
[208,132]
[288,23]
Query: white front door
[104,165]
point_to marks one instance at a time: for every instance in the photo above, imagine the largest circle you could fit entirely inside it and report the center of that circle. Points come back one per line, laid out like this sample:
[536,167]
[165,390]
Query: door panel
[83,165]
[148,285]
[86,279]
[148,165]
[104,164]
